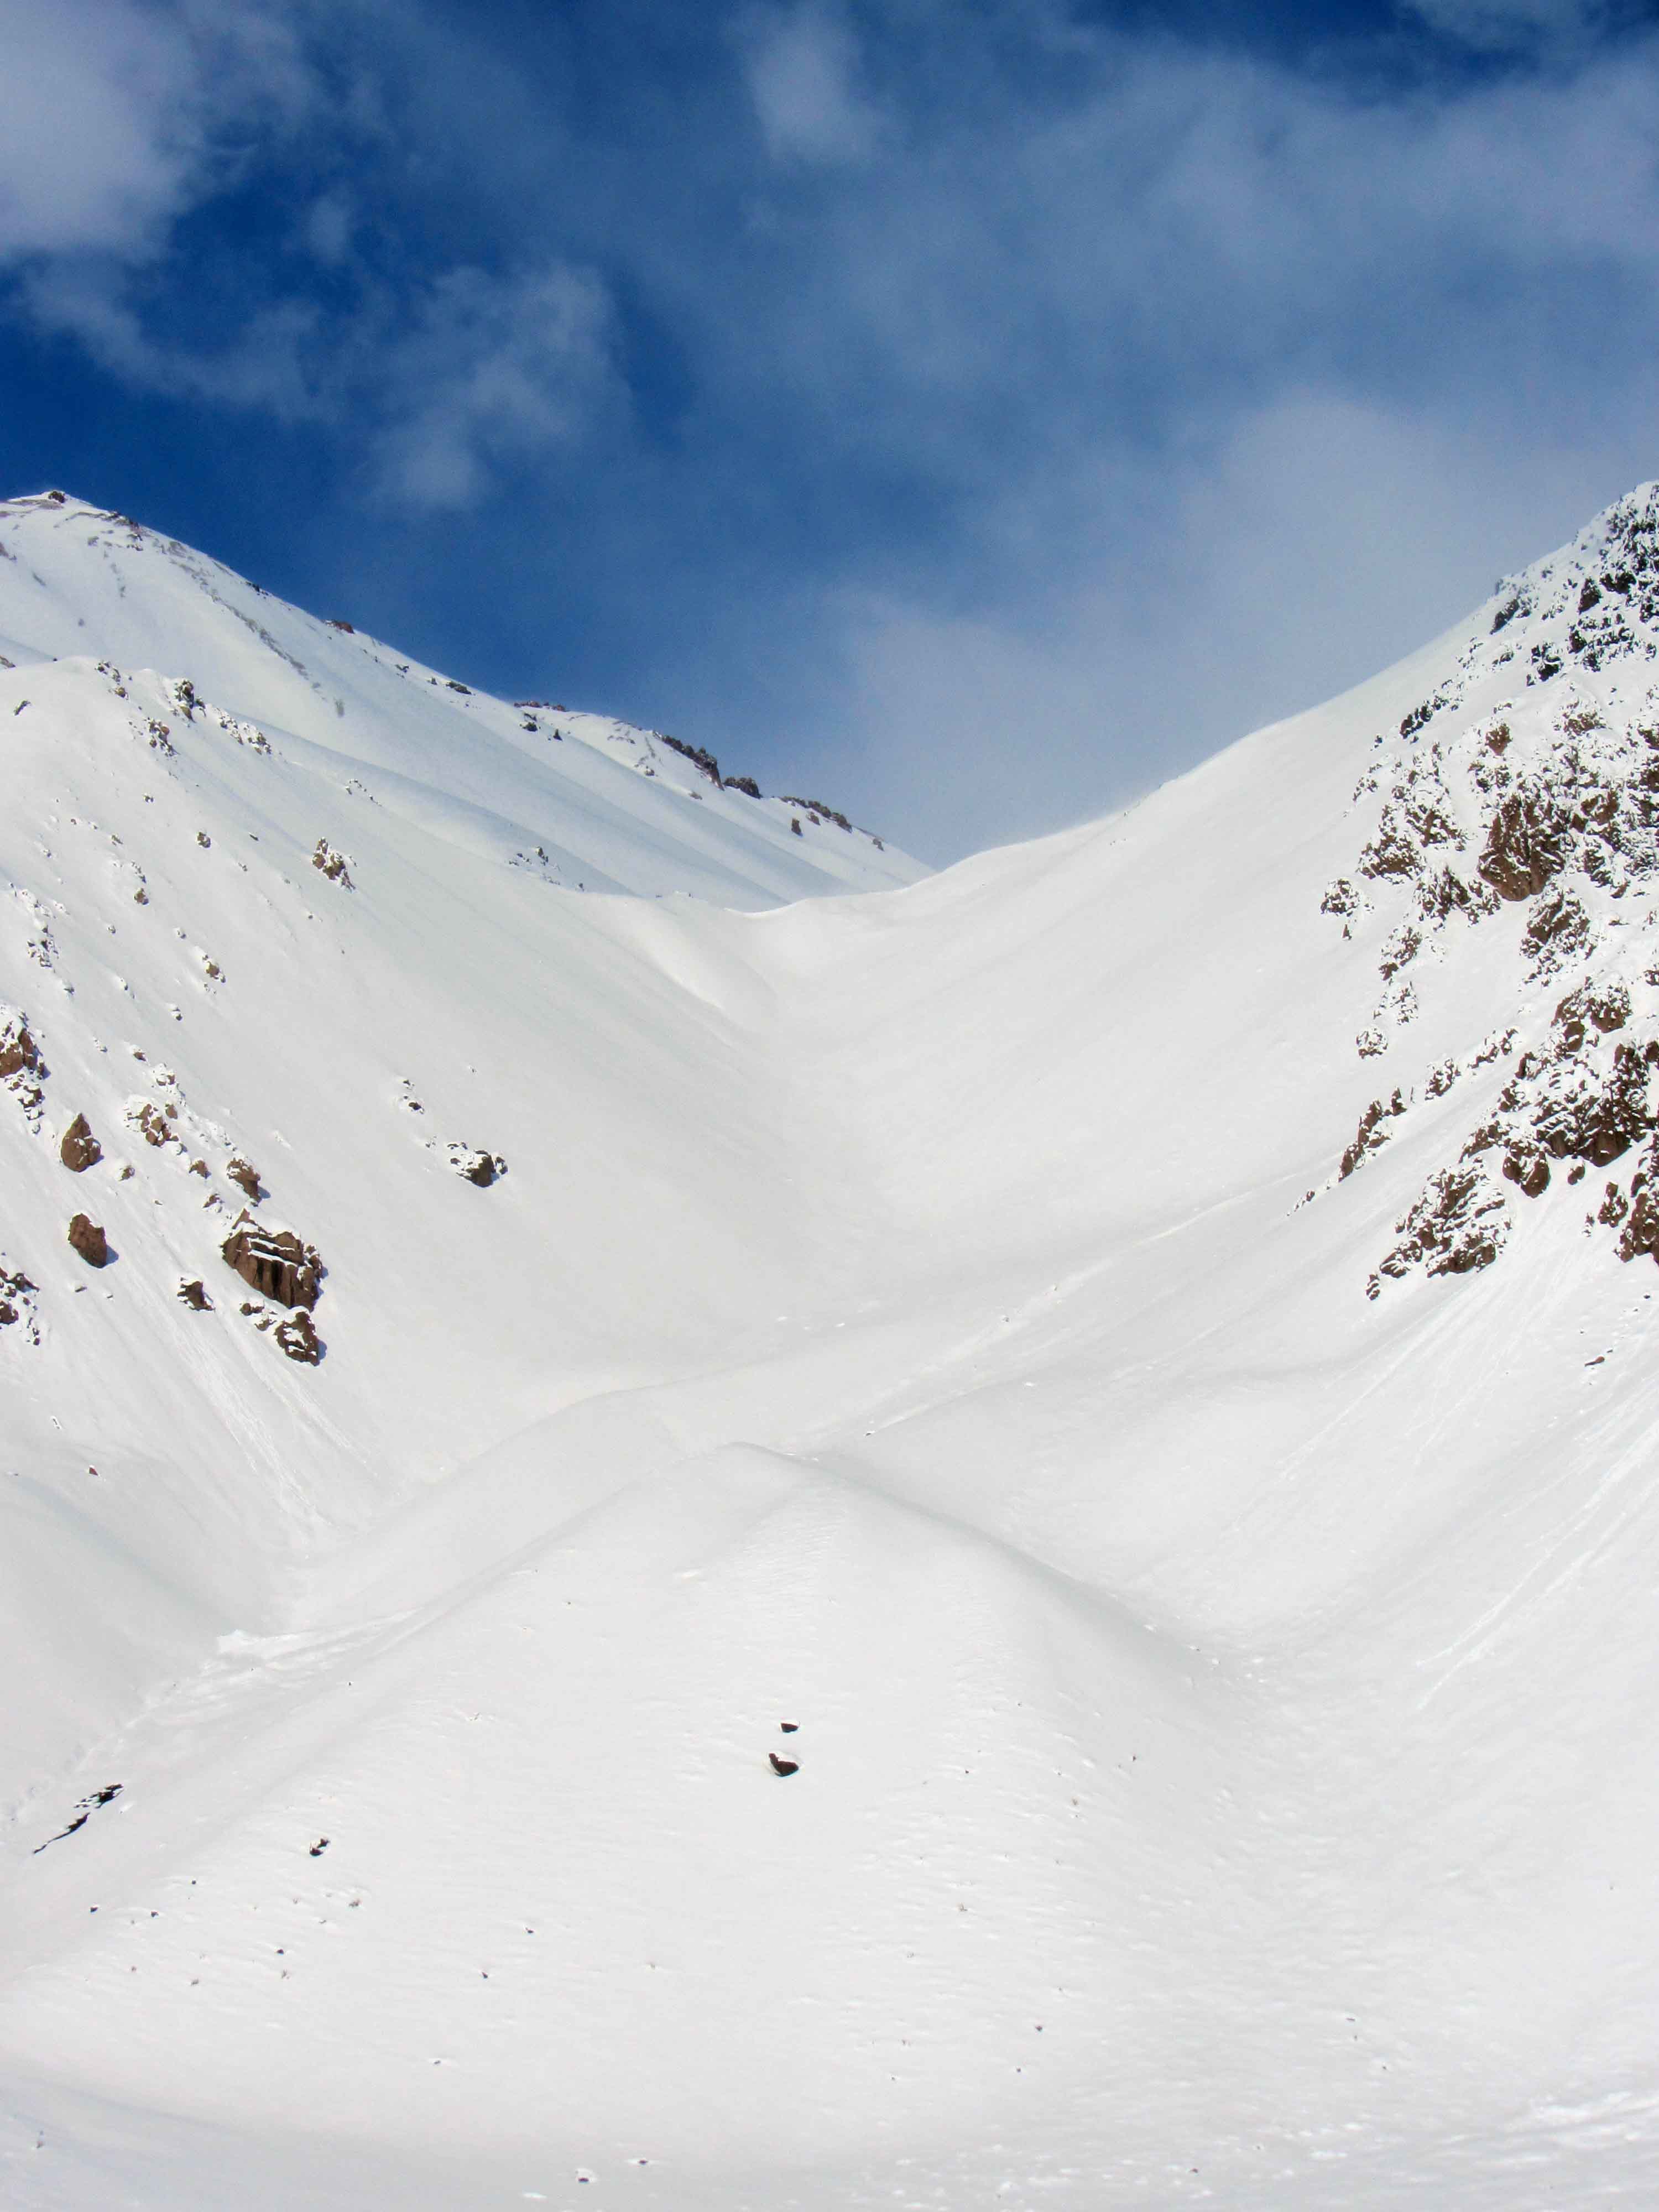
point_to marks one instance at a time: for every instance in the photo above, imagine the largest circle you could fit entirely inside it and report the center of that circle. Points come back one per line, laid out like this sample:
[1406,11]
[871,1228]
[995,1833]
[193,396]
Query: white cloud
[802,71]
[495,370]
[115,110]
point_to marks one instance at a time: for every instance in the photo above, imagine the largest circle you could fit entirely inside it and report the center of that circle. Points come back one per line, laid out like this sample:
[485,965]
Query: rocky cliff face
[1520,801]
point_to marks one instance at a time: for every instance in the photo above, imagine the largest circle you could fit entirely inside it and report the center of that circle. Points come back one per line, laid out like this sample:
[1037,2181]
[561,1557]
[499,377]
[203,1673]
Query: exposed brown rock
[299,1340]
[18,1050]
[1527,844]
[80,1149]
[194,1295]
[1531,1170]
[1607,1006]
[1371,1135]
[244,1176]
[479,1167]
[274,1261]
[1557,928]
[1391,852]
[89,1241]
[332,864]
[1456,1227]
[1641,1231]
[1597,1120]
[16,1290]
[150,1123]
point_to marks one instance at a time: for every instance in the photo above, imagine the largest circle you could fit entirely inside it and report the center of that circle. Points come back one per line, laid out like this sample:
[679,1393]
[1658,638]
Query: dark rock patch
[80,1149]
[298,1339]
[89,1241]
[275,1262]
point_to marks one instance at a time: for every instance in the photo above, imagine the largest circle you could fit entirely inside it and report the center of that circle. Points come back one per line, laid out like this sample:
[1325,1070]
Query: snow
[1222,1697]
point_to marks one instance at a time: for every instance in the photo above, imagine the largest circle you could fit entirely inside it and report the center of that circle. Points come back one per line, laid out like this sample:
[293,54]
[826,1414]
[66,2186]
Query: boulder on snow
[19,1053]
[783,1766]
[244,1176]
[80,1149]
[332,864]
[89,1241]
[194,1295]
[479,1167]
[275,1262]
[298,1339]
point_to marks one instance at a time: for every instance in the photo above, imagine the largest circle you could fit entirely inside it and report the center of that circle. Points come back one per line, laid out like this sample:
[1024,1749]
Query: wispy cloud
[495,370]
[802,67]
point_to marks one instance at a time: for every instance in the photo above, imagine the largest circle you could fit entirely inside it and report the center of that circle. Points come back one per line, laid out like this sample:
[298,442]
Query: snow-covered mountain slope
[1077,1354]
[584,801]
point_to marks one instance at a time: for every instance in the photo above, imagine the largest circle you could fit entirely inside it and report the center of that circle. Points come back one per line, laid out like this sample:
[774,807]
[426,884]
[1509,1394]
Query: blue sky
[973,413]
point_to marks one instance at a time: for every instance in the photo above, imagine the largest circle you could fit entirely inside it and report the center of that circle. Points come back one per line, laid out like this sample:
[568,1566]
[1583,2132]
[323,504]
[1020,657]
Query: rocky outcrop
[1370,1136]
[1558,932]
[1456,1227]
[244,1176]
[1527,845]
[80,1149]
[194,1295]
[1555,789]
[275,1262]
[89,1241]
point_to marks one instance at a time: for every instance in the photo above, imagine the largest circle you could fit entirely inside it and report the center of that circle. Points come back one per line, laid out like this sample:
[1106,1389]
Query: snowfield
[1128,1362]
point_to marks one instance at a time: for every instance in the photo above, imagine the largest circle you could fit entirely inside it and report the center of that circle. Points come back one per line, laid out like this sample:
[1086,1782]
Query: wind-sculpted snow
[693,1551]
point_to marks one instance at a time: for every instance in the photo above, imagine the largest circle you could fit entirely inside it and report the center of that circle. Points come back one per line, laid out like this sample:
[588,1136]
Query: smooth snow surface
[1223,1700]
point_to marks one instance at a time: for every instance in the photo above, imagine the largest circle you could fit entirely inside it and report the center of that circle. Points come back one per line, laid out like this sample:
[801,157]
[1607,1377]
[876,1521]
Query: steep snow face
[585,800]
[1020,1348]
